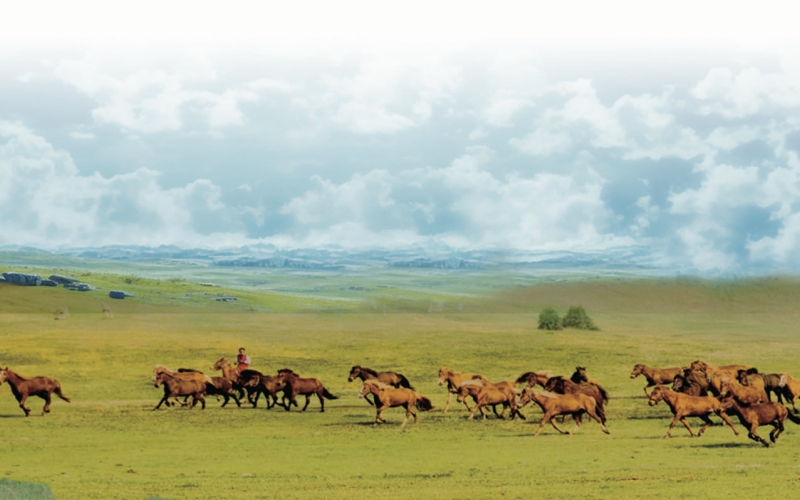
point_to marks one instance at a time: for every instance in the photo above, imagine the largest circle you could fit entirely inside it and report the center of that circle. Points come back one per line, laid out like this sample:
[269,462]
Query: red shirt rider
[242,360]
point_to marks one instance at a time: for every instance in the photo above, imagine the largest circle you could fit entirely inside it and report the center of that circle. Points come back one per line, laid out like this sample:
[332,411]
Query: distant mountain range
[628,260]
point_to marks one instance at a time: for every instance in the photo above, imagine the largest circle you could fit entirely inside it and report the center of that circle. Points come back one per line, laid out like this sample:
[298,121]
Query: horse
[744,394]
[296,385]
[269,385]
[553,404]
[561,385]
[772,385]
[580,377]
[24,387]
[175,385]
[683,406]
[184,373]
[221,386]
[454,380]
[791,389]
[754,415]
[654,376]
[229,372]
[390,397]
[489,394]
[712,371]
[691,383]
[532,379]
[393,379]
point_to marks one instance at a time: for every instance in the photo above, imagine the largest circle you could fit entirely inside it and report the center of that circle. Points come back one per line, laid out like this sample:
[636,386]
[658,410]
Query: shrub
[549,320]
[576,317]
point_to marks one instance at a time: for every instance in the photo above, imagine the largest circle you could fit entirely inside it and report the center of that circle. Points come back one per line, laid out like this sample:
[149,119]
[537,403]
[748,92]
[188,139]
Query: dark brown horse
[393,379]
[175,386]
[296,385]
[268,385]
[772,385]
[561,385]
[532,379]
[484,394]
[553,405]
[683,406]
[654,376]
[454,381]
[24,387]
[391,397]
[221,386]
[691,383]
[580,377]
[752,416]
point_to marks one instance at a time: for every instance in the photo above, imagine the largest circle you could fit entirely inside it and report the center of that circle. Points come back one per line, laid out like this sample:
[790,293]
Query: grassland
[109,444]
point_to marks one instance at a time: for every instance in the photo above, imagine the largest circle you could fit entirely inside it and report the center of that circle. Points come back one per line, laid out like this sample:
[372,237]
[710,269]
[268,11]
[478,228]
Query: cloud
[83,135]
[745,93]
[46,202]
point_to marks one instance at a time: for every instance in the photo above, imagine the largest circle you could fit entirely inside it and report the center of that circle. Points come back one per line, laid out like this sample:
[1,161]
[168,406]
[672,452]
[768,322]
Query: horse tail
[60,394]
[603,393]
[423,403]
[794,418]
[404,382]
[601,412]
[327,395]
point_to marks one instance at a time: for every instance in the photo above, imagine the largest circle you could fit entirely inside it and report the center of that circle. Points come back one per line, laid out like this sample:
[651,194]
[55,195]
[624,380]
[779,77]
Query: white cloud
[46,202]
[82,135]
[542,142]
[746,93]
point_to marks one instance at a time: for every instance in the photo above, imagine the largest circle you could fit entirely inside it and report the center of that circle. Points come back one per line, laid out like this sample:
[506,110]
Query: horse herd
[698,390]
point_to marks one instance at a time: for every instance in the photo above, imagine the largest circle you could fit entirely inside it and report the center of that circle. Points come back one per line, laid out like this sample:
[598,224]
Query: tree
[549,319]
[576,317]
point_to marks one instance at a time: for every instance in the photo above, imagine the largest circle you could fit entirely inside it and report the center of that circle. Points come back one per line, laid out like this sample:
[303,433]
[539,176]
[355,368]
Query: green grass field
[109,444]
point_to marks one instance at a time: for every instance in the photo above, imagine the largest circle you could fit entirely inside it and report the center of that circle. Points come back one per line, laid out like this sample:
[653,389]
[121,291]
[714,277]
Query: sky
[581,126]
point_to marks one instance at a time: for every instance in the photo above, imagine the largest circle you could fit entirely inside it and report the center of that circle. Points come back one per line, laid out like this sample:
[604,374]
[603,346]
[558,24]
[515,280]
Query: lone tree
[549,319]
[576,317]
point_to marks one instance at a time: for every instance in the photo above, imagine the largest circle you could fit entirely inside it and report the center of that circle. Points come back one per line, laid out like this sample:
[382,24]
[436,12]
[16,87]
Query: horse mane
[188,370]
[377,383]
[287,371]
[473,381]
[368,370]
[9,370]
[547,394]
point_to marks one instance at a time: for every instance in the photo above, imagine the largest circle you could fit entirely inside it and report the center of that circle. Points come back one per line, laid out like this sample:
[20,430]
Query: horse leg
[199,397]
[407,406]
[378,417]
[47,401]
[553,423]
[368,400]
[321,401]
[708,423]
[447,403]
[593,414]
[686,424]
[578,418]
[724,416]
[308,400]
[754,435]
[476,408]
[233,395]
[776,431]
[22,399]
[672,425]
[544,421]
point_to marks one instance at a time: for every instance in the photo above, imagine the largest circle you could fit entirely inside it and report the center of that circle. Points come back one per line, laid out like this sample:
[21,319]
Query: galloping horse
[714,373]
[772,385]
[221,386]
[24,387]
[580,377]
[175,385]
[752,416]
[561,385]
[744,394]
[532,379]
[295,385]
[390,397]
[791,389]
[393,379]
[654,376]
[231,373]
[258,384]
[489,394]
[683,406]
[553,404]
[182,373]
[454,381]
[691,383]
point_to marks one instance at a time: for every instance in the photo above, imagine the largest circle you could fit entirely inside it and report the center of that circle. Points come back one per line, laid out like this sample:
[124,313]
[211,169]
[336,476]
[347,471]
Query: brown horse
[488,393]
[683,406]
[454,381]
[532,379]
[296,385]
[231,373]
[580,377]
[393,379]
[221,386]
[752,416]
[654,376]
[23,388]
[744,394]
[713,371]
[691,383]
[772,385]
[791,389]
[553,405]
[391,397]
[269,385]
[184,373]
[175,386]
[561,385]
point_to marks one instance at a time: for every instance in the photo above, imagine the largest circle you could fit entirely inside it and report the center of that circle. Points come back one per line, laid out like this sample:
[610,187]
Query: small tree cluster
[549,320]
[576,317]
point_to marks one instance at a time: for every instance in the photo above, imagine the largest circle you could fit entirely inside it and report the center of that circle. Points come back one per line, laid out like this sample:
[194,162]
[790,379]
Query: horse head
[580,374]
[444,374]
[219,365]
[657,395]
[354,371]
[678,383]
[369,386]
[637,370]
[3,375]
